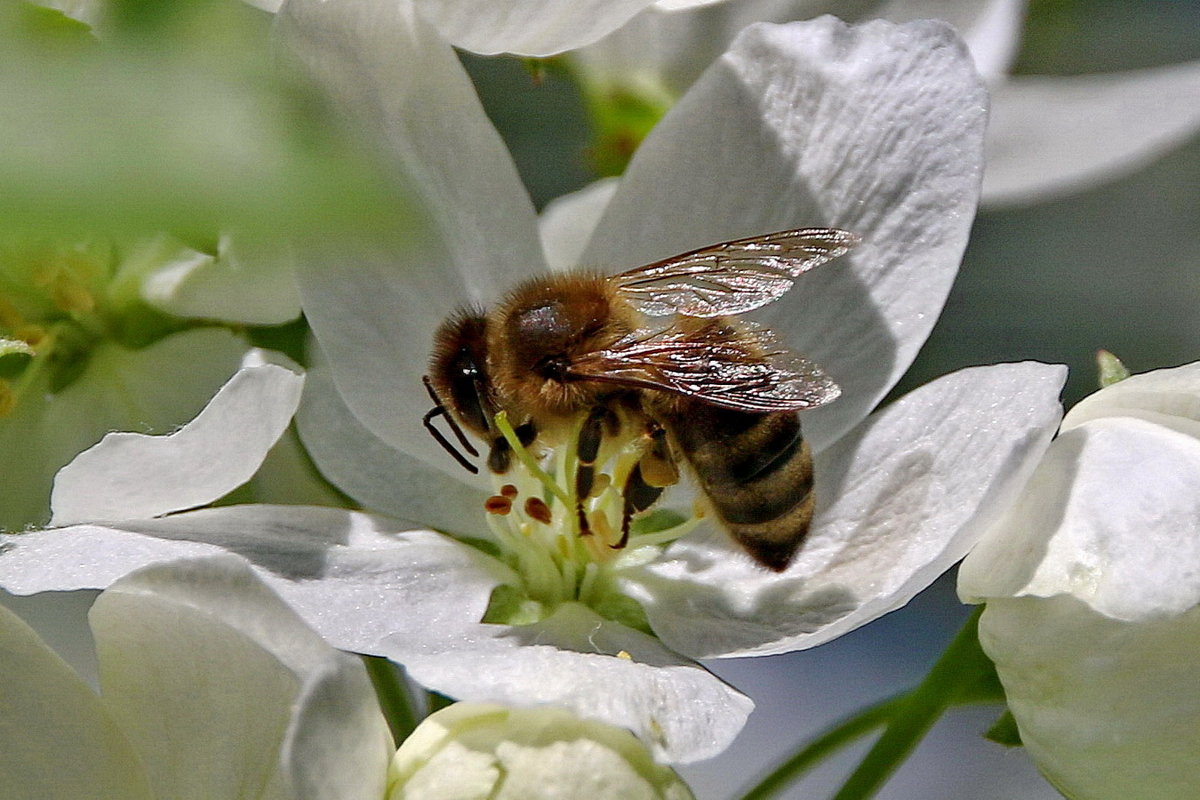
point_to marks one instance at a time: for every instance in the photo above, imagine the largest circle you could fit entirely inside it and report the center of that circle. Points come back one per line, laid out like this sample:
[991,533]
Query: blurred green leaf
[177,120]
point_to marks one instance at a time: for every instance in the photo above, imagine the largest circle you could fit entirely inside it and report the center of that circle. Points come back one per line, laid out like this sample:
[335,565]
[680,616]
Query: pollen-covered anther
[536,509]
[509,491]
[498,505]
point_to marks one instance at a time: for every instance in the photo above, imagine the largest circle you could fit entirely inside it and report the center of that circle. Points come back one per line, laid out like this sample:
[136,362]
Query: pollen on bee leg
[536,508]
[496,504]
[599,484]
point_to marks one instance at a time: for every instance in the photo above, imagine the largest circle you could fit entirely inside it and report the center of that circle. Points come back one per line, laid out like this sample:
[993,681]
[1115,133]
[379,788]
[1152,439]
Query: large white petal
[527,27]
[572,659]
[132,475]
[374,305]
[899,500]
[567,222]
[1106,708]
[60,743]
[875,128]
[154,389]
[1168,397]
[1111,516]
[380,477]
[1051,135]
[991,28]
[163,632]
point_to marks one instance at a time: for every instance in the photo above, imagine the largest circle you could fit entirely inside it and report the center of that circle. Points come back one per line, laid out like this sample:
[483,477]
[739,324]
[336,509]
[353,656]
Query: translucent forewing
[731,277]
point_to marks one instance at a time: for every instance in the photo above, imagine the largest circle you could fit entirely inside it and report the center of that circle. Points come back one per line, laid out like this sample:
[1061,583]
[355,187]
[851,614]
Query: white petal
[415,597]
[527,27]
[245,283]
[1168,397]
[383,478]
[683,712]
[899,500]
[567,222]
[1107,709]
[472,232]
[683,5]
[1051,136]
[156,389]
[166,631]
[877,129]
[132,475]
[991,28]
[339,744]
[60,743]
[1111,516]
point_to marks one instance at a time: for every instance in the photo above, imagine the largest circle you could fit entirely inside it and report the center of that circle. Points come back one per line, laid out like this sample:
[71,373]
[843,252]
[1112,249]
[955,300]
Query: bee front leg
[587,450]
[500,456]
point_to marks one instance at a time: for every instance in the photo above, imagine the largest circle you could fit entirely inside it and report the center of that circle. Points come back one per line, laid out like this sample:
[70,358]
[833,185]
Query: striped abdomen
[756,469]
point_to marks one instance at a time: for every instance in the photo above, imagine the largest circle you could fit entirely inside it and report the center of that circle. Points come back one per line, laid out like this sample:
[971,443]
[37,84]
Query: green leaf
[1004,731]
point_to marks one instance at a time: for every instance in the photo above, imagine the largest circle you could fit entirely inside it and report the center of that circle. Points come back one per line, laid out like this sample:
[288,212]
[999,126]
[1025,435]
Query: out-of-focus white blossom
[1092,586]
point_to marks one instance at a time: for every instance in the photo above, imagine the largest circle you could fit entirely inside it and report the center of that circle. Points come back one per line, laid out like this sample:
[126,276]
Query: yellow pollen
[625,655]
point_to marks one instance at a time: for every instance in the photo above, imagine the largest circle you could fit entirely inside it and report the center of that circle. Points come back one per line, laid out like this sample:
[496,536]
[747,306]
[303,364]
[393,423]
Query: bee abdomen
[756,470]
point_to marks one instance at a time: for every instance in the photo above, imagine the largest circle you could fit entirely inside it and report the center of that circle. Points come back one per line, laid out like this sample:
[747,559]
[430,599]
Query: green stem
[394,699]
[963,675]
[960,668]
[834,739]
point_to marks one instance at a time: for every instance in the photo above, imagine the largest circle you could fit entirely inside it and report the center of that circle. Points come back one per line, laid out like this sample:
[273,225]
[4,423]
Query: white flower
[482,750]
[210,687]
[1092,585]
[1049,135]
[875,129]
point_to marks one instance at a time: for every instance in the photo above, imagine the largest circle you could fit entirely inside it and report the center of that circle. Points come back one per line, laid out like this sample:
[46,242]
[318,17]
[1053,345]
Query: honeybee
[718,392]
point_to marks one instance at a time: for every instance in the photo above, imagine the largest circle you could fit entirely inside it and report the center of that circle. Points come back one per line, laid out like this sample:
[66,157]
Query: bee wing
[731,277]
[749,371]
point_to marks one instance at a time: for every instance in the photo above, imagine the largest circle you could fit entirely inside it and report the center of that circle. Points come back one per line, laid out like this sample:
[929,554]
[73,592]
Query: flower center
[567,548]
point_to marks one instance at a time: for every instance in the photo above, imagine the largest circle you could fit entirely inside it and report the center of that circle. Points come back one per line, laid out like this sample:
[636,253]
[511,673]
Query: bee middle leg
[654,472]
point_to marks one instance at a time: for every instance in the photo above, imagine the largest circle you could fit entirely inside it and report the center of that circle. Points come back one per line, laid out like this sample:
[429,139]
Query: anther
[509,491]
[536,508]
[497,505]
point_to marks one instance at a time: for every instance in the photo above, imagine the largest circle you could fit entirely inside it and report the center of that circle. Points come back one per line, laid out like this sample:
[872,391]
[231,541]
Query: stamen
[509,491]
[527,460]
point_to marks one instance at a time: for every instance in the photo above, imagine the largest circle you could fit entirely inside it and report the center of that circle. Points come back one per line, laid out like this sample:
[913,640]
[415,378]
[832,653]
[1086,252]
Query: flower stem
[962,675]
[394,699]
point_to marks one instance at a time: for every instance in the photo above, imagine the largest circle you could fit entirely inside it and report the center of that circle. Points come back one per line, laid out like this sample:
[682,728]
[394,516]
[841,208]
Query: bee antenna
[439,410]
